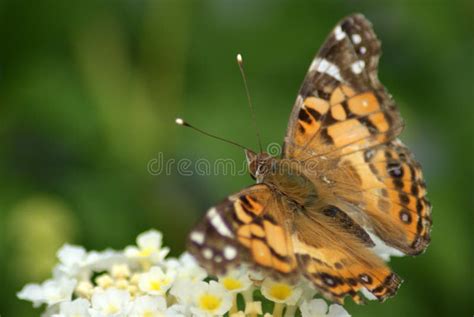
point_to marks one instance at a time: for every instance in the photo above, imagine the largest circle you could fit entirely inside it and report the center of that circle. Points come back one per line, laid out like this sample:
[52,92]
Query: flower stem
[278,310]
[234,307]
[290,311]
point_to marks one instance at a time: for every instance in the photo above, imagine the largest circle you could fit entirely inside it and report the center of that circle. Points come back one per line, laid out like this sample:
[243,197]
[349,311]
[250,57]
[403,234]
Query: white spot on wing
[218,223]
[230,252]
[339,33]
[356,38]
[368,294]
[314,64]
[207,253]
[362,50]
[324,66]
[326,180]
[382,250]
[197,237]
[358,66]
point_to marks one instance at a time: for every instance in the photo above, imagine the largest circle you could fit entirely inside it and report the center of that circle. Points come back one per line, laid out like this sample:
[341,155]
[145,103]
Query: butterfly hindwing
[251,223]
[385,184]
[333,252]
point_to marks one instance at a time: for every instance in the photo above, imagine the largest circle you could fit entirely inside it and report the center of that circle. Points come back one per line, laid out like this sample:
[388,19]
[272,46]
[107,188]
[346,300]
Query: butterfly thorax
[284,176]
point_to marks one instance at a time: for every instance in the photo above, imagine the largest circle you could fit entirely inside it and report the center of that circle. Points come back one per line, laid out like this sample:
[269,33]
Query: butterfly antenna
[241,67]
[183,123]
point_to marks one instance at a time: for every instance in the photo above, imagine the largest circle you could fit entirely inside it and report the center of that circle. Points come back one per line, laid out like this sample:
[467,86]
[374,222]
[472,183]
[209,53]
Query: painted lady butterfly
[344,183]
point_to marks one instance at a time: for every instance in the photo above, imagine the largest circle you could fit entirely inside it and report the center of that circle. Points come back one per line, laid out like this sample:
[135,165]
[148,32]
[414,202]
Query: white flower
[254,308]
[75,262]
[103,260]
[149,247]
[211,299]
[84,289]
[71,255]
[120,271]
[32,293]
[77,308]
[111,302]
[281,292]
[147,306]
[236,281]
[49,292]
[319,308]
[176,311]
[155,281]
[188,273]
[187,268]
[183,290]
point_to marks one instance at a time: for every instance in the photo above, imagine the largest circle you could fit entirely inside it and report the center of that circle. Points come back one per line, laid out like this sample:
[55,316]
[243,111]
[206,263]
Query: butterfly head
[259,164]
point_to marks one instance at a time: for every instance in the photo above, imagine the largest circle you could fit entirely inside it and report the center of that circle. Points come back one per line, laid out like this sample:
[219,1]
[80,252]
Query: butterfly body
[283,176]
[344,187]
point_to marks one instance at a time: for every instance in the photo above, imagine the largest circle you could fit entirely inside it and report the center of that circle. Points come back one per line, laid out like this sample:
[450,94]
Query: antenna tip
[179,121]
[239,58]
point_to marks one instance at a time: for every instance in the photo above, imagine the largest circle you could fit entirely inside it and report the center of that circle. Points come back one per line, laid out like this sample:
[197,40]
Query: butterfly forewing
[341,106]
[251,223]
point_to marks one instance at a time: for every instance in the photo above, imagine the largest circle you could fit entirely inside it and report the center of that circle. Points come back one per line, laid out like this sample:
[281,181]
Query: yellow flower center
[145,252]
[281,291]
[111,309]
[147,314]
[209,302]
[231,283]
[155,285]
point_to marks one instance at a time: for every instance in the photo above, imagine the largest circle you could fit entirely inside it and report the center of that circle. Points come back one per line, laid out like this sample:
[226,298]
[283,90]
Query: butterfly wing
[341,106]
[331,249]
[344,128]
[248,227]
[385,184]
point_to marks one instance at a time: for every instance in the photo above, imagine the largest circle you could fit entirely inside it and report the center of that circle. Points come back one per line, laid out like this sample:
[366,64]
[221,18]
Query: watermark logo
[160,165]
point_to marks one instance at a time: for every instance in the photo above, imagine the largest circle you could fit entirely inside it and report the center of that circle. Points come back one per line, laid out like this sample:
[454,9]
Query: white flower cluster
[141,282]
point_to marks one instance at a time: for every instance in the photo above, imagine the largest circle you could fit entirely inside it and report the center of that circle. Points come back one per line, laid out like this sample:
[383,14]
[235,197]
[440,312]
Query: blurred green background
[89,93]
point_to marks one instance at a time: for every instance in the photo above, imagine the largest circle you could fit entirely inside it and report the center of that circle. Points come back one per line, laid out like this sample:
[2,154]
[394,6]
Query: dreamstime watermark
[160,165]
[223,166]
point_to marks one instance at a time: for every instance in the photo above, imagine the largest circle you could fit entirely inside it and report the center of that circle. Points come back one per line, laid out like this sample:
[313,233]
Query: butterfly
[343,185]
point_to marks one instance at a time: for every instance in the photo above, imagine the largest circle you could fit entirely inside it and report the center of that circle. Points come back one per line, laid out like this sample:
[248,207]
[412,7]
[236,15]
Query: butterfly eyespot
[395,170]
[405,217]
[330,280]
[365,279]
